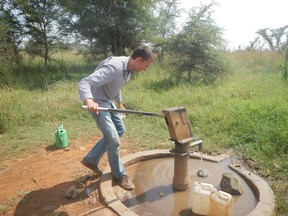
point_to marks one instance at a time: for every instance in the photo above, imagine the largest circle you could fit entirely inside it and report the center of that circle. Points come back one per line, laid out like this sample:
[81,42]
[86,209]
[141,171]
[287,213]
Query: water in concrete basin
[154,194]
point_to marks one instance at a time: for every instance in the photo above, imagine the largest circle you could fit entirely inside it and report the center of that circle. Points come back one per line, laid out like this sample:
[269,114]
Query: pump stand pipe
[127,111]
[181,152]
[181,178]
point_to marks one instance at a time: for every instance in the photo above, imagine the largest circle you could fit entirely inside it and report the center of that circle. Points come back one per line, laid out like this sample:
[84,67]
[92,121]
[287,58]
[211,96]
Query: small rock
[88,191]
[92,200]
[84,179]
[50,208]
[237,164]
[250,164]
[202,173]
[82,148]
[72,192]
[231,184]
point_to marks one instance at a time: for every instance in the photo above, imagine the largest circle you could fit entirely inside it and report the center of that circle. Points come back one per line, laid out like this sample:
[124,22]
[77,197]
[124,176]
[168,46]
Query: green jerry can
[61,137]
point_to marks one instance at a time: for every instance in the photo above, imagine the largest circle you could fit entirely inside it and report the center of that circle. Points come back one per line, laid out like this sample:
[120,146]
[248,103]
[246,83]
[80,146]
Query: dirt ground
[37,184]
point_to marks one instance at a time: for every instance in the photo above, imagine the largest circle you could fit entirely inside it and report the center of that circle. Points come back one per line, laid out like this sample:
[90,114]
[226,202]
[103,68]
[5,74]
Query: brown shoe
[93,168]
[125,183]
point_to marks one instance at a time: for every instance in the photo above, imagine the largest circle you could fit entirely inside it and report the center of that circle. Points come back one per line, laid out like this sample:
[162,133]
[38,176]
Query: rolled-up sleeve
[118,98]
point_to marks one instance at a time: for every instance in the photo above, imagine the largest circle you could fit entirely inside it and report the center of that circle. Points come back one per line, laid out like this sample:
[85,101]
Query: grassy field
[244,113]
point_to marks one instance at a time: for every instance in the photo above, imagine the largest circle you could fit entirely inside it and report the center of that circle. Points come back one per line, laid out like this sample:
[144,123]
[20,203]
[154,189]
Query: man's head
[140,59]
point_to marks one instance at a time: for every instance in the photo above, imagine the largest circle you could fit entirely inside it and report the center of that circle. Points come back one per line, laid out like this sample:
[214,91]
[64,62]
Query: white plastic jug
[221,204]
[201,198]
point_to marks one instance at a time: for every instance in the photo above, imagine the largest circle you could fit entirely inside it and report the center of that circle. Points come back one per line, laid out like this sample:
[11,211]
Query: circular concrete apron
[263,193]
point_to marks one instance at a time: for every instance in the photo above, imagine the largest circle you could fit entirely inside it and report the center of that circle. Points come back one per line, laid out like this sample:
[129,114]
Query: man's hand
[121,106]
[92,106]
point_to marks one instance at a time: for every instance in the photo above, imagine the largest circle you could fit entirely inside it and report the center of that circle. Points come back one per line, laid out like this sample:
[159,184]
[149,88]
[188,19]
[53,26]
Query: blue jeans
[112,128]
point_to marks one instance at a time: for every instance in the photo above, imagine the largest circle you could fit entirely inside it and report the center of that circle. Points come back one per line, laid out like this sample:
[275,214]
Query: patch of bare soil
[37,184]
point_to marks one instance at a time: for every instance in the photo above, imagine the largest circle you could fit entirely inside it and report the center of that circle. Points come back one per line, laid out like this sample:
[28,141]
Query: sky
[240,19]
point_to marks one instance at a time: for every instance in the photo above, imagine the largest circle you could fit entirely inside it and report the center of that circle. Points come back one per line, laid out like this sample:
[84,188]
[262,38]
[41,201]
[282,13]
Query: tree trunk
[45,48]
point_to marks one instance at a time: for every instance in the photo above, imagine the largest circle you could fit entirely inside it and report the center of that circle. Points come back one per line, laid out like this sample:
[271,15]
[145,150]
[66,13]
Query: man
[99,90]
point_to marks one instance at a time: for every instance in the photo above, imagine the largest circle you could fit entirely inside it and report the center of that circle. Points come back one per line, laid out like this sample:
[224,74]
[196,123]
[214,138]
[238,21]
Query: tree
[194,50]
[10,32]
[256,44]
[114,24]
[275,38]
[41,24]
[166,12]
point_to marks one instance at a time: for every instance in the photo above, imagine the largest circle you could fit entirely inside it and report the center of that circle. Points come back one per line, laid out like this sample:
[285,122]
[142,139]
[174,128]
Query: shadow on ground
[48,202]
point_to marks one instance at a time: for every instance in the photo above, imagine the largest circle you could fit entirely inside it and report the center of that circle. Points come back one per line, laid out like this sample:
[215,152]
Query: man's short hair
[144,52]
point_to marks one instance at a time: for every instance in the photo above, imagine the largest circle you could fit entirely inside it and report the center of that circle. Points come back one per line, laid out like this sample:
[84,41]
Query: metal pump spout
[198,143]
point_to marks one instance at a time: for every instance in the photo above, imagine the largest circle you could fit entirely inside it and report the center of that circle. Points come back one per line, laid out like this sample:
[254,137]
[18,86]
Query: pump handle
[127,111]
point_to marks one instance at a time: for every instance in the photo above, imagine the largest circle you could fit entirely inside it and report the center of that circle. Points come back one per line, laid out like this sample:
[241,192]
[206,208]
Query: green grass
[245,113]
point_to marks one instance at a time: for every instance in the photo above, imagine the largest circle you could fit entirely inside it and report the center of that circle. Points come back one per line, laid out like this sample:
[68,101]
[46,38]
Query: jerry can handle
[224,196]
[206,186]
[60,128]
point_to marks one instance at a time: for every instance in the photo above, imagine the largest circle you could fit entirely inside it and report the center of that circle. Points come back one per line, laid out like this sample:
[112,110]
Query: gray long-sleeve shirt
[104,84]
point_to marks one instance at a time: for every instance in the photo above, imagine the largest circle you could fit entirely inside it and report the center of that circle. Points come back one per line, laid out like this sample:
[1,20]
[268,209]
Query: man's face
[142,64]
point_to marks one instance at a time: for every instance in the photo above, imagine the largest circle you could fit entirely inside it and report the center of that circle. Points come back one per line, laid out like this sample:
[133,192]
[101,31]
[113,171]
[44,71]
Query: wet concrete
[141,200]
[154,194]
